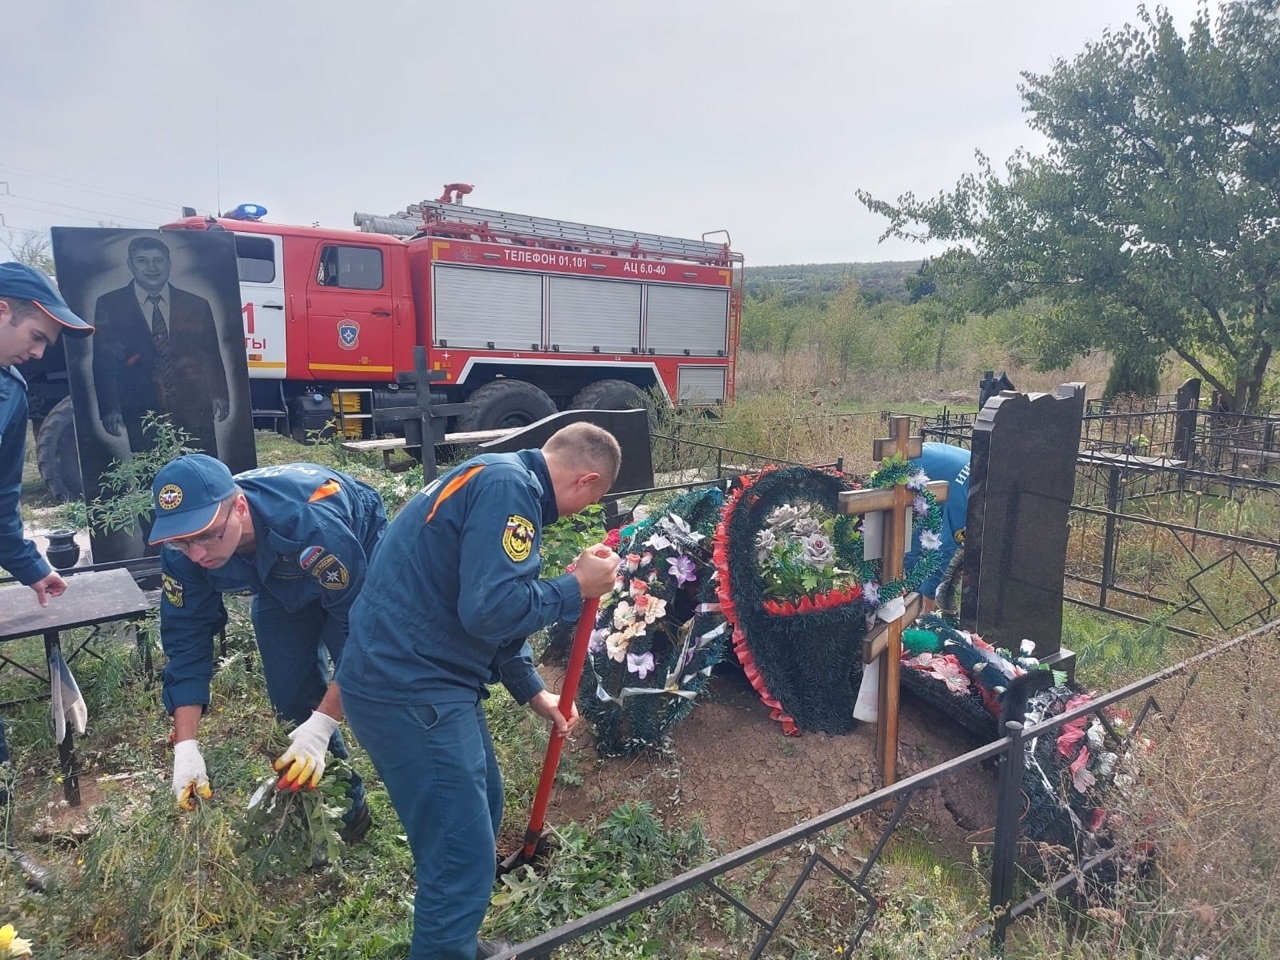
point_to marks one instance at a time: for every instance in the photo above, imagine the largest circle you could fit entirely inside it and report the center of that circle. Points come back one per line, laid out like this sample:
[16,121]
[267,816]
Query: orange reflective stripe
[452,487]
[326,489]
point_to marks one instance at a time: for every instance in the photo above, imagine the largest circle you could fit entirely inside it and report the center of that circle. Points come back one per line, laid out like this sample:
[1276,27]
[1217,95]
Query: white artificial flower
[816,551]
[807,527]
[765,541]
[784,515]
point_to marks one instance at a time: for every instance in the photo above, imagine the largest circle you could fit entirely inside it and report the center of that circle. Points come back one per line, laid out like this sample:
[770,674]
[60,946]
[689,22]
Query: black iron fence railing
[1002,877]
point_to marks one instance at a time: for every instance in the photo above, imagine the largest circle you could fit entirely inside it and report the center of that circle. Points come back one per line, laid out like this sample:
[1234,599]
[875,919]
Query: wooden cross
[883,643]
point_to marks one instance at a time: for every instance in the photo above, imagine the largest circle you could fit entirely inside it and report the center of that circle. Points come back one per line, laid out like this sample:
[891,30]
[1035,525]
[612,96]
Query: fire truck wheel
[609,395]
[506,403]
[56,453]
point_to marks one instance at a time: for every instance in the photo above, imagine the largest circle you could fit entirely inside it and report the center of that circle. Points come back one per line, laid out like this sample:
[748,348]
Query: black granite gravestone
[1021,480]
[171,341]
[630,427]
[1184,429]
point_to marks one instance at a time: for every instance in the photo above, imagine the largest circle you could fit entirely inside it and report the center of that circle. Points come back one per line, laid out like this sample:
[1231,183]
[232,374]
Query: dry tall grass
[795,373]
[1204,880]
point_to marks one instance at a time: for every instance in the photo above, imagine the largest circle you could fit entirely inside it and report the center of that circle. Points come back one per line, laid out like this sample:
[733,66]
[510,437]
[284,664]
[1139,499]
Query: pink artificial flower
[638,588]
[1070,738]
[632,562]
[948,670]
[1081,778]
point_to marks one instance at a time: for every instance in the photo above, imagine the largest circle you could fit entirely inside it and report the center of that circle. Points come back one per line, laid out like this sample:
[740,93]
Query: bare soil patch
[730,765]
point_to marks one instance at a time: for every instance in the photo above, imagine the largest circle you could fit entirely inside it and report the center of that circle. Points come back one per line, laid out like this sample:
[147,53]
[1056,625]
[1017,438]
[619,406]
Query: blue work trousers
[437,763]
[295,663]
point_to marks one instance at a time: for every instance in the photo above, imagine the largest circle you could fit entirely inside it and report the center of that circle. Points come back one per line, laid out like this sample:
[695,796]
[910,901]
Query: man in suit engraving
[157,349]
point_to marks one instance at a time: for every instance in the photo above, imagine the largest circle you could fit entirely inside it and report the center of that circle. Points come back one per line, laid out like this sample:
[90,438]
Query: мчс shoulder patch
[172,589]
[331,573]
[517,538]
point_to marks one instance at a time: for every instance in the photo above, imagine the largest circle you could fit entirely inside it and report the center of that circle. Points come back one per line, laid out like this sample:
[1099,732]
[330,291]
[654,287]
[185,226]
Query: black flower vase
[63,550]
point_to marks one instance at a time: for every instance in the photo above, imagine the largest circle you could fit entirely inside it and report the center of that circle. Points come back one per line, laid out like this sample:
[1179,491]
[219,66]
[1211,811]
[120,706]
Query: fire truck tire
[506,403]
[56,453]
[609,395]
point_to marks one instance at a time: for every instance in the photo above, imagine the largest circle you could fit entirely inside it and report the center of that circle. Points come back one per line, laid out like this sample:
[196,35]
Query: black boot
[353,832]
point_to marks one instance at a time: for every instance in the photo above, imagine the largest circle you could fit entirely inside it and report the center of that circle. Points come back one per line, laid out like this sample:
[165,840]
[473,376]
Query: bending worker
[32,314]
[453,592]
[298,537]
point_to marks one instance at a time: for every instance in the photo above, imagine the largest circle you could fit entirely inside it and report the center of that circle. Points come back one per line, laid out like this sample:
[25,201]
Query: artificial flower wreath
[802,651]
[660,632]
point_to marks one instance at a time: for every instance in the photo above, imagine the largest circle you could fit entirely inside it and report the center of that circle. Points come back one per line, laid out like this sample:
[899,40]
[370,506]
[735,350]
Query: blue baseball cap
[187,493]
[21,282]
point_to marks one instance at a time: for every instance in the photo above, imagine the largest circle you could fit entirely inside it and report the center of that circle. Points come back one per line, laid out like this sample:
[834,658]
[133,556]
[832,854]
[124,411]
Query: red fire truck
[521,316]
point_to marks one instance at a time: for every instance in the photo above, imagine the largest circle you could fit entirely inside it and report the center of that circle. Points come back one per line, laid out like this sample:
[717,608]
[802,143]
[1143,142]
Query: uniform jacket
[315,530]
[941,461]
[125,357]
[454,590]
[17,554]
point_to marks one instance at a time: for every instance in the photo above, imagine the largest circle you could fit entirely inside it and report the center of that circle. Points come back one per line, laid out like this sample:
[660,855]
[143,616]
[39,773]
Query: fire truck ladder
[434,216]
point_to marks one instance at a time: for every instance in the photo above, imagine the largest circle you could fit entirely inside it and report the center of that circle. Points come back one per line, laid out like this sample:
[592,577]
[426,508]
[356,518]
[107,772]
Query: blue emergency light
[247,211]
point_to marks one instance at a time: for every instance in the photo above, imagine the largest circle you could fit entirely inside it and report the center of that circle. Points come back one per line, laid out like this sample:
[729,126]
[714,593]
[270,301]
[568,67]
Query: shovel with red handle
[535,839]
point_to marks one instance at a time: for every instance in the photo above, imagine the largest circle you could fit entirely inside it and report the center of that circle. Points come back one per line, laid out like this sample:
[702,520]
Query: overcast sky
[665,116]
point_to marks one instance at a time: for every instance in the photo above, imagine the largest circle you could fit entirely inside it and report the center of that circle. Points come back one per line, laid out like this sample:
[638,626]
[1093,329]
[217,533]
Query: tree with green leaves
[1152,222]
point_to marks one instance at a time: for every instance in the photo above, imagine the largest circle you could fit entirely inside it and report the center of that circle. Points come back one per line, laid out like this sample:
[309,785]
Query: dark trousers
[438,765]
[295,664]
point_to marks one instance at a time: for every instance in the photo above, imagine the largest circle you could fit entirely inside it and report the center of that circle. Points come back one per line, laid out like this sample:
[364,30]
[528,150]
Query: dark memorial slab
[169,340]
[630,427]
[1021,481]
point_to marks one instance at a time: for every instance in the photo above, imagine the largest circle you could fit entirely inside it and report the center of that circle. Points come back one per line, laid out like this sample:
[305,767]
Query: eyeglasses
[204,539]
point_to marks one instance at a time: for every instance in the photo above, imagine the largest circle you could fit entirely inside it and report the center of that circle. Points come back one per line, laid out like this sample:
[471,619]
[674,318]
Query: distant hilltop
[885,280]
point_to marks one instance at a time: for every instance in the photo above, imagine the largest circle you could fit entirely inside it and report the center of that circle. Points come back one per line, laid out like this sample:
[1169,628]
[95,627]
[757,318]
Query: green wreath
[848,541]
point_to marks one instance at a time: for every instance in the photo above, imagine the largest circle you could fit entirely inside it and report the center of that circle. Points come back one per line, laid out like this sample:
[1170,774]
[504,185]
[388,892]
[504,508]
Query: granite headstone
[1021,481]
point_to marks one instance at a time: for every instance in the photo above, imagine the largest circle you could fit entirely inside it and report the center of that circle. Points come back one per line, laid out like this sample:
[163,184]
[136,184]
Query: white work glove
[189,776]
[305,758]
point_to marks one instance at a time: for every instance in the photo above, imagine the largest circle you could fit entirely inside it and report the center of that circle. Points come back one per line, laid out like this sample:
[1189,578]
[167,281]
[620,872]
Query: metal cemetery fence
[1007,755]
[1176,512]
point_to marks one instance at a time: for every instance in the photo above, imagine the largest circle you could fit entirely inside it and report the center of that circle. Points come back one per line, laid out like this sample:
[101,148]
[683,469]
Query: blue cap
[21,282]
[187,493]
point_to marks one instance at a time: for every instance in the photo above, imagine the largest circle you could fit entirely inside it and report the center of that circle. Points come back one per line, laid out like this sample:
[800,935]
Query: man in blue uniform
[452,594]
[296,536]
[941,461]
[32,314]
